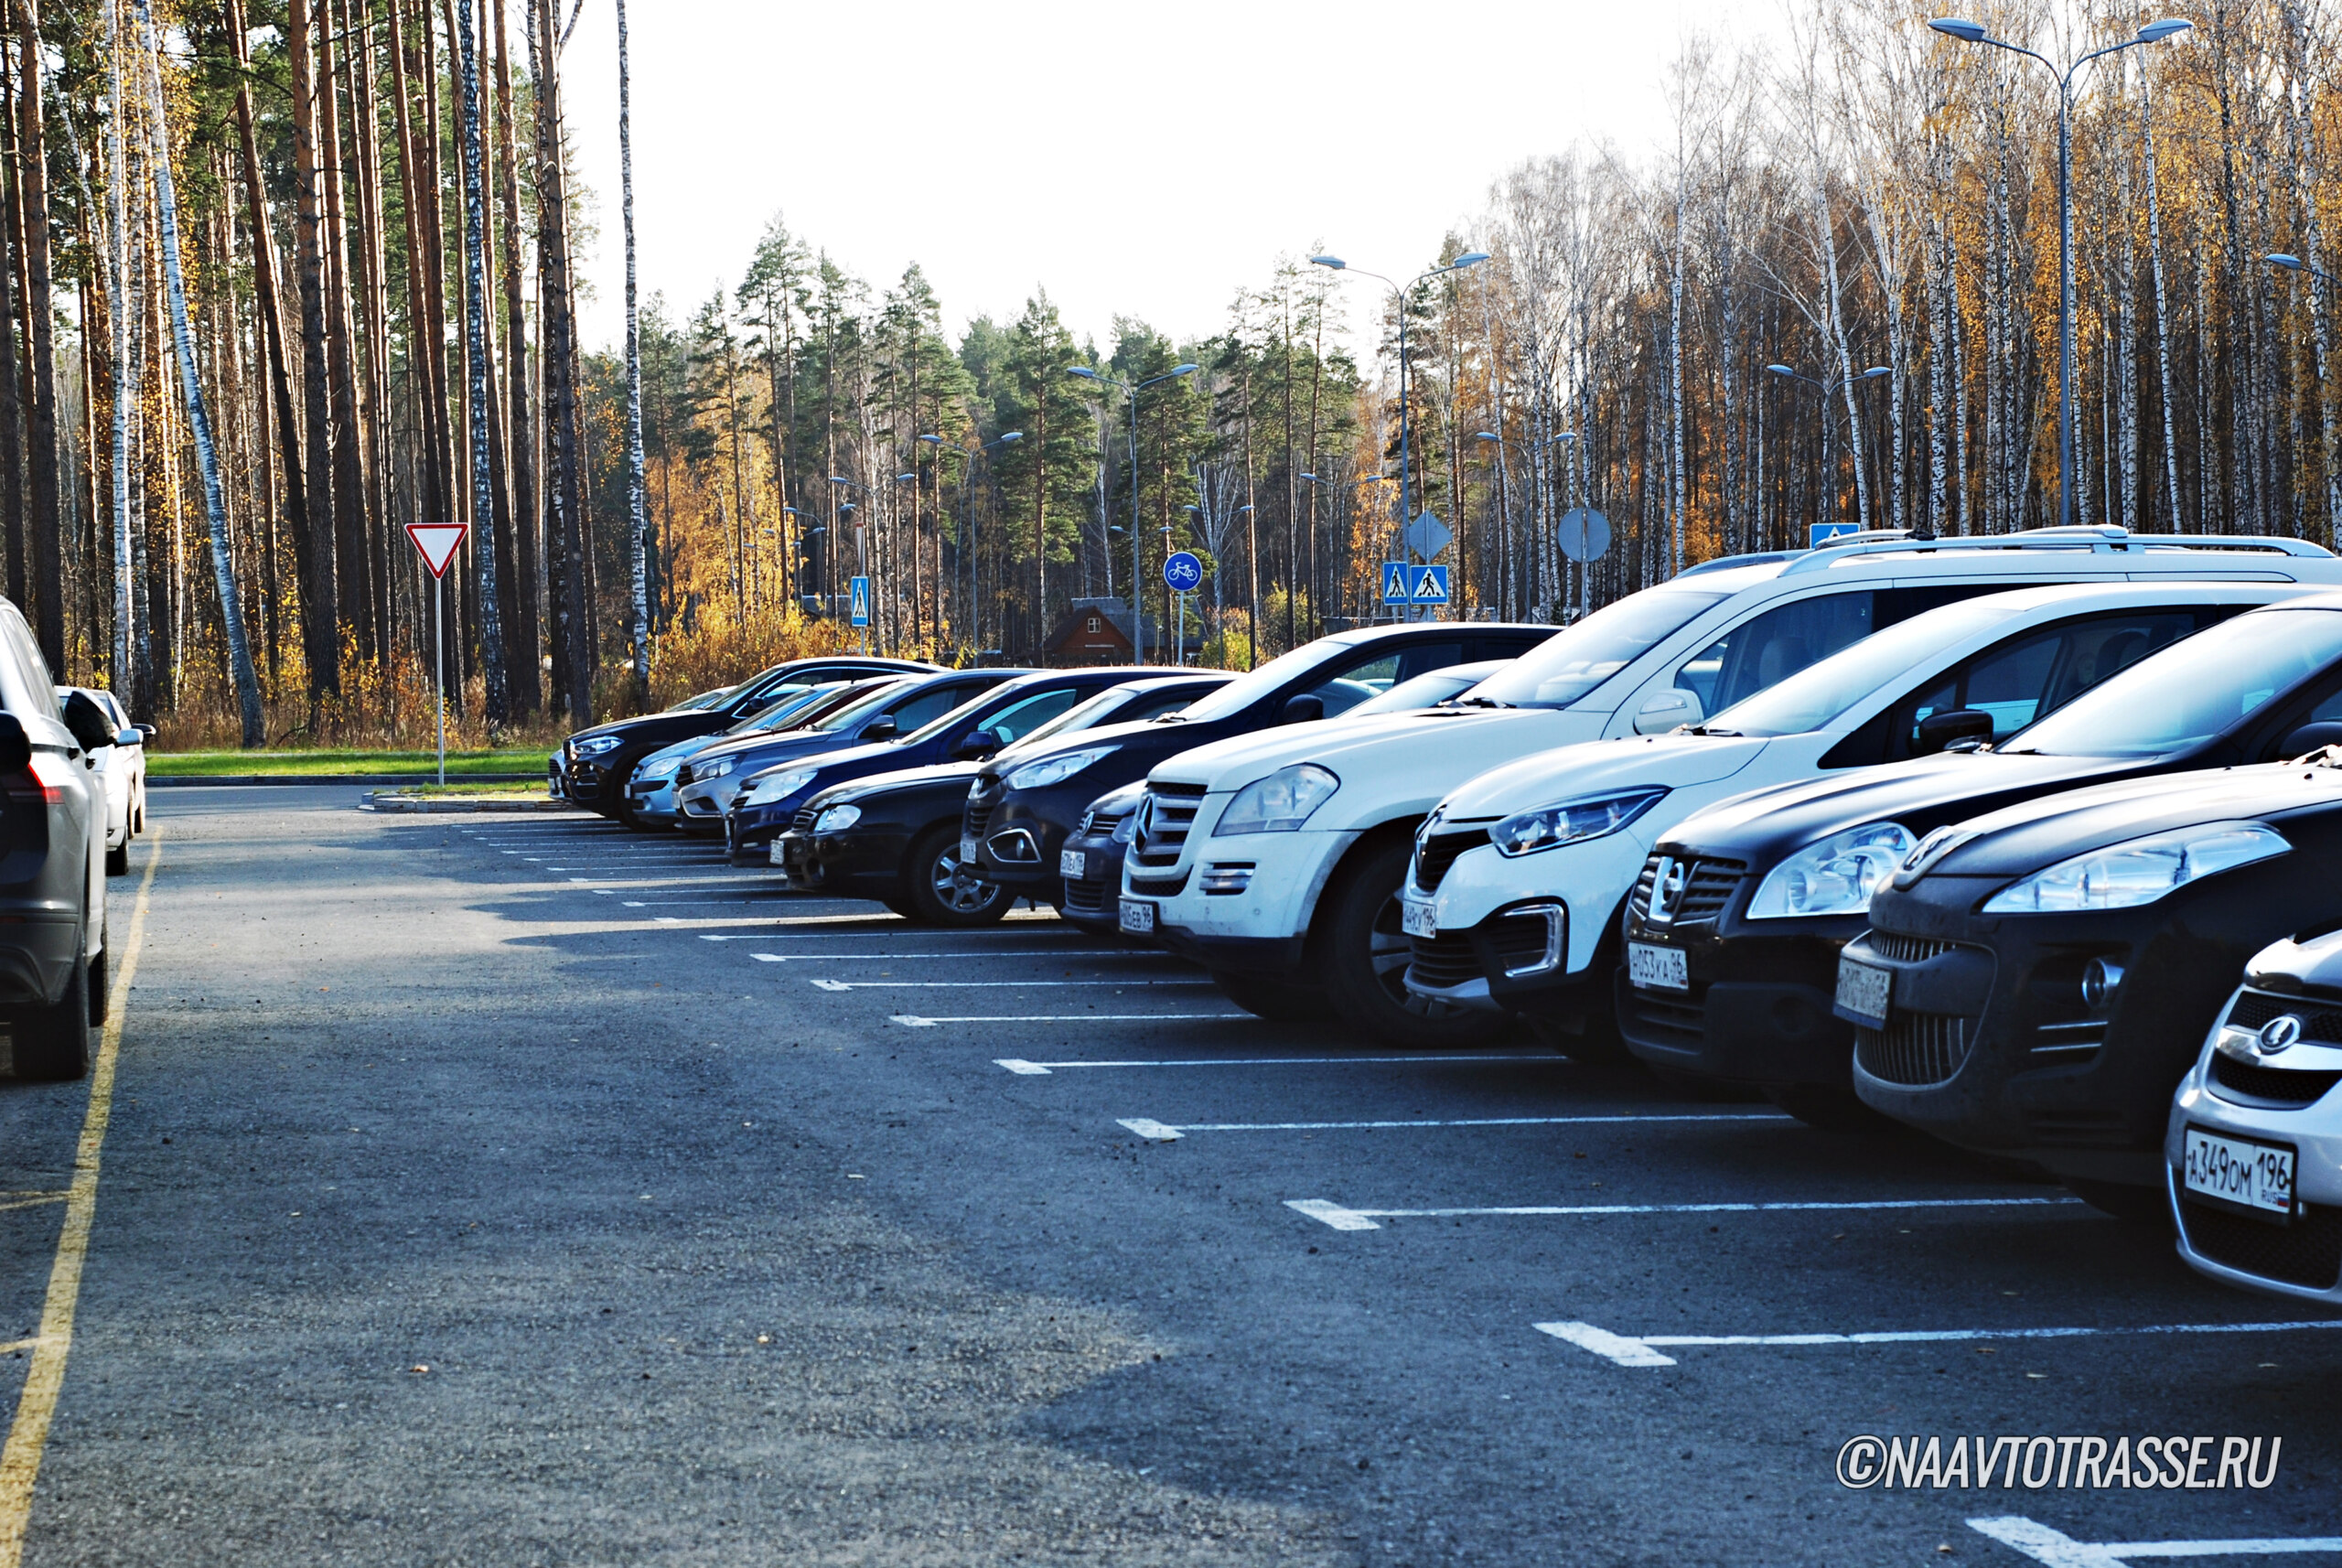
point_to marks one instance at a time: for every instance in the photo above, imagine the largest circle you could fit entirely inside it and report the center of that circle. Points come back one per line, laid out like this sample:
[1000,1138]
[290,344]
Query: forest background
[275,284]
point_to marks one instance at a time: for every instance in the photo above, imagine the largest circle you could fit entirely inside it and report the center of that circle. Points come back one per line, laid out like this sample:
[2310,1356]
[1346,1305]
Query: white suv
[1275,859]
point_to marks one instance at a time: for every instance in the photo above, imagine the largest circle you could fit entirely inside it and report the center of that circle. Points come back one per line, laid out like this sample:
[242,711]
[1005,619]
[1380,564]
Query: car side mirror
[88,722]
[975,745]
[1946,731]
[146,734]
[1668,709]
[883,728]
[1302,710]
[2309,739]
[129,737]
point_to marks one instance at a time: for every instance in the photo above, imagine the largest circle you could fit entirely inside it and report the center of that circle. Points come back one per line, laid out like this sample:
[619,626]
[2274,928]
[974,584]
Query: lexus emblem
[2278,1033]
[1667,889]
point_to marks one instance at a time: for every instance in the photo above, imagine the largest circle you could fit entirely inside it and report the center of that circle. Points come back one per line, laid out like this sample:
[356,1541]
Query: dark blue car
[764,807]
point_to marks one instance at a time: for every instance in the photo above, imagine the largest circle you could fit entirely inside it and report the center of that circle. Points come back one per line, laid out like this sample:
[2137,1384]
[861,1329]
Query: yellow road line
[15,1345]
[20,1459]
[34,1200]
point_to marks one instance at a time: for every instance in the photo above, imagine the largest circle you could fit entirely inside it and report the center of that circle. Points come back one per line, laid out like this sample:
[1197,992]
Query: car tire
[1829,1108]
[118,857]
[2133,1205]
[1363,957]
[931,877]
[1266,996]
[50,1041]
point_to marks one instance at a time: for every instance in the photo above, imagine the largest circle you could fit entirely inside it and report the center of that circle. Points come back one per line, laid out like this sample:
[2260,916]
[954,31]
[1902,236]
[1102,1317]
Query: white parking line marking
[1642,1348]
[696,903]
[2058,1550]
[1018,1065]
[849,957]
[983,985]
[879,925]
[913,1021]
[1153,1131]
[1772,1118]
[1317,1208]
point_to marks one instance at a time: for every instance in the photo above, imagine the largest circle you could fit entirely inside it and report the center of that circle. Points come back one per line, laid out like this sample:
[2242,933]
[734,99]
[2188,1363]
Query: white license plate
[776,855]
[1073,863]
[1651,968]
[2237,1170]
[1864,990]
[1419,917]
[1138,917]
[967,851]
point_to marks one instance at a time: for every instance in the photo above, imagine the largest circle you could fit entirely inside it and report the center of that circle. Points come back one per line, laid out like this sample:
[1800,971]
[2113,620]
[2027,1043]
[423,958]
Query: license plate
[1864,991]
[967,851]
[1073,863]
[1419,918]
[2240,1171]
[1138,917]
[1651,968]
[778,855]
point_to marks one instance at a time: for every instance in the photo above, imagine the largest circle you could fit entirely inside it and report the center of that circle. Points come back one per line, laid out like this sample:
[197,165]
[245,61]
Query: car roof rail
[2100,538]
[1726,563]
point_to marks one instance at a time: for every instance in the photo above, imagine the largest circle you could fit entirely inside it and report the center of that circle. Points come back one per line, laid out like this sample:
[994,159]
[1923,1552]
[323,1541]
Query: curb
[202,781]
[389,801]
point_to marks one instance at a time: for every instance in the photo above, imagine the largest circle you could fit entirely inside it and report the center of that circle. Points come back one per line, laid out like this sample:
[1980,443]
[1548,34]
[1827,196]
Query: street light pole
[1130,395]
[1468,259]
[1974,32]
[1830,389]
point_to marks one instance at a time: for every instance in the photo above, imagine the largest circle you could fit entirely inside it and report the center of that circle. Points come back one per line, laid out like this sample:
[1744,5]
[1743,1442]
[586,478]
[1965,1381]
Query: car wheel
[1364,955]
[939,895]
[51,1042]
[2138,1205]
[1264,997]
[1829,1108]
[118,858]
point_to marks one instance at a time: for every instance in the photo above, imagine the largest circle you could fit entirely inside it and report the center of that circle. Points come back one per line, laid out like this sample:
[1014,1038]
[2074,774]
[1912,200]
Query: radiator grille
[1664,1020]
[1434,854]
[1708,887]
[2253,1008]
[1444,961]
[2269,1085]
[1914,1049]
[1170,812]
[1899,949]
[2306,1252]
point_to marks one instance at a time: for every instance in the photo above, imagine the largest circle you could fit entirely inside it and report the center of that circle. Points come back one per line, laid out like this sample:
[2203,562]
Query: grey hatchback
[52,863]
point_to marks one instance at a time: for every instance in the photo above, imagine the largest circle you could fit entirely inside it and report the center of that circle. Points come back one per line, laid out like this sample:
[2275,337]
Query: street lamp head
[1180,370]
[1011,438]
[1468,259]
[1486,436]
[840,479]
[2279,258]
[1874,374]
[1084,372]
[1334,262]
[1954,27]
[1566,435]
[1311,477]
[932,440]
[905,478]
[1778,371]
[2170,26]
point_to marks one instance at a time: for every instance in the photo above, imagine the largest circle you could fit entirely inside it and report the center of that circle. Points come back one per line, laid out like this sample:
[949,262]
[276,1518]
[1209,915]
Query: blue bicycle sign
[1183,572]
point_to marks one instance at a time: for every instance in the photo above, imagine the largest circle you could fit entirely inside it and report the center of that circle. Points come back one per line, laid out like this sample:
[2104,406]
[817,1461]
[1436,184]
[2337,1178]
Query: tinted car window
[1156,704]
[1370,676]
[1771,647]
[1574,661]
[2027,678]
[924,708]
[1018,720]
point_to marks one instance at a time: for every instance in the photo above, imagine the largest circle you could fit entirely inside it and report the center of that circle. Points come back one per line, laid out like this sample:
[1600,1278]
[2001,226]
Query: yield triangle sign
[438,542]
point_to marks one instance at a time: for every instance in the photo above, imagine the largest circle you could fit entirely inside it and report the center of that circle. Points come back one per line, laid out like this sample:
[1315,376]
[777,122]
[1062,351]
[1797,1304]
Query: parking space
[1560,1272]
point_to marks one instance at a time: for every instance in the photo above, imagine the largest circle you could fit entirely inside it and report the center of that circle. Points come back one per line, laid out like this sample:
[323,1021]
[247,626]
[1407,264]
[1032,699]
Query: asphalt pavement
[484,1189]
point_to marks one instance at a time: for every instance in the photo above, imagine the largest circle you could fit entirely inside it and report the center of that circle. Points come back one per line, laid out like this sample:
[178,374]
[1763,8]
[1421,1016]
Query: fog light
[2101,981]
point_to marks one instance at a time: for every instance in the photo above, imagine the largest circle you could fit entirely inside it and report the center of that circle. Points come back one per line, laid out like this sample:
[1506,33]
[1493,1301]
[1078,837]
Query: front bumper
[654,799]
[701,805]
[590,782]
[1525,935]
[858,864]
[1240,903]
[1758,1008]
[1092,900]
[2298,1255]
[1017,847]
[1989,1044]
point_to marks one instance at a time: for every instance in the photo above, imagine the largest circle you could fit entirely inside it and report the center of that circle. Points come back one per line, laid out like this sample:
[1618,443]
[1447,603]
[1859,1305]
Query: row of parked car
[2029,842]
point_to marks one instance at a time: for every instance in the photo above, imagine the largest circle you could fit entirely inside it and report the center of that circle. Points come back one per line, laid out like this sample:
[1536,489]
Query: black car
[2041,977]
[895,837]
[770,804]
[594,765]
[1018,831]
[53,825]
[710,784]
[1093,887]
[651,790]
[1762,893]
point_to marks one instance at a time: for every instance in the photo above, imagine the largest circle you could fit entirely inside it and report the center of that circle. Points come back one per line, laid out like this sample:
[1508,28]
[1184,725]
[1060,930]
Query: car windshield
[704,700]
[1081,715]
[1575,660]
[853,714]
[1427,690]
[788,700]
[950,721]
[1819,693]
[2193,691]
[1245,690]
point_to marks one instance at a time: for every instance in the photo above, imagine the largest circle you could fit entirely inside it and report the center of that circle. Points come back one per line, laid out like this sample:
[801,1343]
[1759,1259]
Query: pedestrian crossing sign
[861,601]
[1430,584]
[1394,582]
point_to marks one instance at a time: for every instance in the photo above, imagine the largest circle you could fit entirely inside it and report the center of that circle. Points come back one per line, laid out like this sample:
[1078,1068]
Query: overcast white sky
[1141,160]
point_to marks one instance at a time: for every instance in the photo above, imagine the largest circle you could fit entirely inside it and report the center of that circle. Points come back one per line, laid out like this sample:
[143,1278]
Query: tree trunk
[47,517]
[637,523]
[491,633]
[527,636]
[321,618]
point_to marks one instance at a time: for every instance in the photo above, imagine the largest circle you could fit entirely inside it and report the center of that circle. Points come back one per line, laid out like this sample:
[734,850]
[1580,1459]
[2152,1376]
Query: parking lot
[732,1223]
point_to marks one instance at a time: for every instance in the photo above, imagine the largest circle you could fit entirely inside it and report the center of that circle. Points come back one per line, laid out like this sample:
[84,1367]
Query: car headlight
[837,819]
[1835,876]
[776,787]
[703,771]
[1279,803]
[594,746]
[1571,822]
[1058,770]
[2123,875]
[661,769]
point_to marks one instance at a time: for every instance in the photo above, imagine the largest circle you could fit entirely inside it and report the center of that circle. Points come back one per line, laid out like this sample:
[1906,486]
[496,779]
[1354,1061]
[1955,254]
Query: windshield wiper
[1708,729]
[1477,702]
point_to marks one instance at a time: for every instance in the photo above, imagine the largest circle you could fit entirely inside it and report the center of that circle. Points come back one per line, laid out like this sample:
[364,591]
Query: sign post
[1585,539]
[437,543]
[1183,572]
